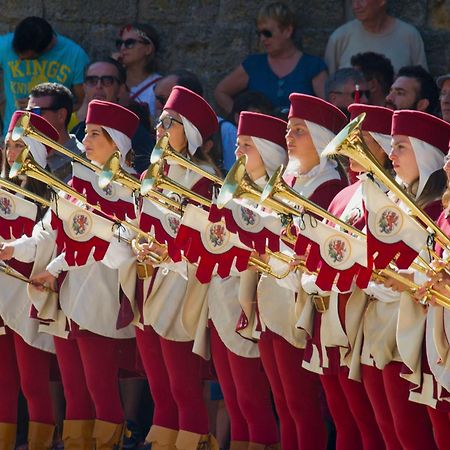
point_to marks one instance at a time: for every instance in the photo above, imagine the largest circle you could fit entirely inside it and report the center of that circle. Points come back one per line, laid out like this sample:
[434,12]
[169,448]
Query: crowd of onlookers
[375,58]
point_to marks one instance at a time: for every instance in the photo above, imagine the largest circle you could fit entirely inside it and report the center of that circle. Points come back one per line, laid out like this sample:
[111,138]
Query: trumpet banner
[17,216]
[338,257]
[114,200]
[256,229]
[163,224]
[80,232]
[210,245]
[390,231]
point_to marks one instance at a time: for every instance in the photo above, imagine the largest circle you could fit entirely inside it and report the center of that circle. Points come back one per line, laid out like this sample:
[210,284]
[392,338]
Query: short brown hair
[280,12]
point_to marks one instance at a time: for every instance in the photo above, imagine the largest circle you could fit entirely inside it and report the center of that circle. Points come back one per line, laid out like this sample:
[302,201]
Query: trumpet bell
[274,181]
[21,127]
[150,181]
[19,165]
[160,150]
[109,171]
[232,185]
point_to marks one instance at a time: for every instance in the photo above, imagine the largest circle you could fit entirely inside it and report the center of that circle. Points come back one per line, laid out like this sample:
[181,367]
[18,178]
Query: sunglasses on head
[166,122]
[105,80]
[266,33]
[130,43]
[38,109]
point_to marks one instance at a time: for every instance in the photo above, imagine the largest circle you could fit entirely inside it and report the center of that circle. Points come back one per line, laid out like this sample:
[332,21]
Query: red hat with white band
[429,138]
[37,149]
[378,122]
[268,134]
[318,111]
[197,111]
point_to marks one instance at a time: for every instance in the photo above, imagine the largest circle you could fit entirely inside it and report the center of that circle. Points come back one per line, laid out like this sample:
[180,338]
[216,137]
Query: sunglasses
[105,80]
[353,94]
[38,109]
[130,43]
[266,33]
[166,122]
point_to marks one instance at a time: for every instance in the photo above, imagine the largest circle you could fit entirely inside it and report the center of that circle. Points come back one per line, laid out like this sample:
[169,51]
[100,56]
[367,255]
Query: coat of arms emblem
[353,216]
[108,190]
[174,224]
[388,221]
[80,224]
[6,206]
[248,216]
[337,250]
[217,234]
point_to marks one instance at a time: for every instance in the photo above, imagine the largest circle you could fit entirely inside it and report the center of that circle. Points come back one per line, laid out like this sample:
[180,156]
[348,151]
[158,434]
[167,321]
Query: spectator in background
[378,72]
[54,102]
[414,88]
[376,31]
[178,77]
[443,83]
[137,47]
[33,54]
[105,80]
[341,89]
[278,72]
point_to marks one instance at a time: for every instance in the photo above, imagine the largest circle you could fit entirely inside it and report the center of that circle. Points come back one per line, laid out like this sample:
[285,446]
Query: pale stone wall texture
[212,36]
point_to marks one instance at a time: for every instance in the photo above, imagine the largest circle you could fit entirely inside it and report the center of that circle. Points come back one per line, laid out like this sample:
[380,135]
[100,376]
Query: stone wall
[212,36]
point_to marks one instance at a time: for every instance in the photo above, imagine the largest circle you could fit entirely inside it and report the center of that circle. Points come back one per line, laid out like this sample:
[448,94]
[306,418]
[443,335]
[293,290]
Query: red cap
[316,110]
[262,126]
[112,115]
[195,108]
[37,122]
[377,120]
[423,126]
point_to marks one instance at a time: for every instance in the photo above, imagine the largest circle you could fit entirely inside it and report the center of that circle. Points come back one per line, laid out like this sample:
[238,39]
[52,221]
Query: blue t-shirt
[277,90]
[64,63]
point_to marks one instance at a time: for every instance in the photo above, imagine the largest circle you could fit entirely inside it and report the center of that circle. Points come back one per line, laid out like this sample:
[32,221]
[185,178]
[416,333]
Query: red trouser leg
[185,375]
[79,405]
[441,428]
[302,392]
[100,363]
[34,369]
[362,411]
[287,425]
[373,382]
[253,391]
[411,420]
[347,432]
[165,409]
[9,379]
[238,423]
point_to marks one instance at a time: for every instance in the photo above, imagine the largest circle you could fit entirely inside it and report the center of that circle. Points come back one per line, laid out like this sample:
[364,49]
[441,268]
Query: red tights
[89,372]
[296,394]
[31,366]
[246,392]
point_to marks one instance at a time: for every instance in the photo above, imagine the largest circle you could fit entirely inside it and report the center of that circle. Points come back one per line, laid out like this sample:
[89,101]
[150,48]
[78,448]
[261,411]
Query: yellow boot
[107,435]
[40,436]
[239,445]
[7,436]
[162,438]
[77,435]
[256,446]
[187,440]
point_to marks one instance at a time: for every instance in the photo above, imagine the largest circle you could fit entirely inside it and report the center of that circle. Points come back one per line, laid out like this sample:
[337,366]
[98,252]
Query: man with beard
[414,88]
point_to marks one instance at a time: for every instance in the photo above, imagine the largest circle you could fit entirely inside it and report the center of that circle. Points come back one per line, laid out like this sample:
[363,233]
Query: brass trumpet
[26,193]
[349,142]
[25,164]
[24,128]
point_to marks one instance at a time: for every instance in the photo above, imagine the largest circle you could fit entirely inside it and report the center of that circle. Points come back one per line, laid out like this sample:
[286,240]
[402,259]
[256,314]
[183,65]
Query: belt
[143,270]
[321,303]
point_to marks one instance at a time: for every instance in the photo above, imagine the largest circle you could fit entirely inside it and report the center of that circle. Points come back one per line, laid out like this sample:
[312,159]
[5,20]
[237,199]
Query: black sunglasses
[166,122]
[266,33]
[130,43]
[105,80]
[38,109]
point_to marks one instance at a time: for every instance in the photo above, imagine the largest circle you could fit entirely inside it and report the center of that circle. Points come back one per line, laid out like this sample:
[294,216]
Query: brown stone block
[439,14]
